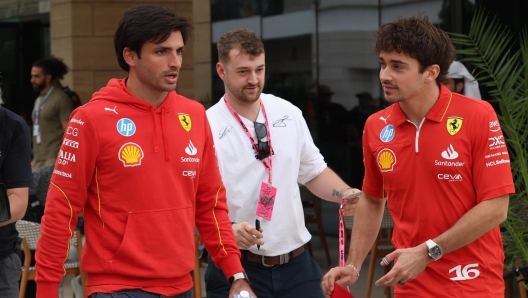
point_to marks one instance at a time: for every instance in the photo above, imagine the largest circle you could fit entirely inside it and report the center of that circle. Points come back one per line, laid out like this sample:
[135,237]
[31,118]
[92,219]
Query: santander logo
[190,149]
[450,153]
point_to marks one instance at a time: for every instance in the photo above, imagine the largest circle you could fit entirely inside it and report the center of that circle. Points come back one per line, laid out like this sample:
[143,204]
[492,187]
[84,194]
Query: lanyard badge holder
[36,116]
[266,199]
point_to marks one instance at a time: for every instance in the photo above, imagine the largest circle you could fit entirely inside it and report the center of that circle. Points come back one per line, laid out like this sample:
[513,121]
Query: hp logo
[126,127]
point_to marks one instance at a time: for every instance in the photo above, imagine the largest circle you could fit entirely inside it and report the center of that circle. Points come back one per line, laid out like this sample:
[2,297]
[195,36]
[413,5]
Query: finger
[243,242]
[384,262]
[387,279]
[255,233]
[393,255]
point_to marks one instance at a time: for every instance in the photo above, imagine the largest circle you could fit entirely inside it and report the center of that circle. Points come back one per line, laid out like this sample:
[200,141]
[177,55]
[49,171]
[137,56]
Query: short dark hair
[52,66]
[147,23]
[419,39]
[248,42]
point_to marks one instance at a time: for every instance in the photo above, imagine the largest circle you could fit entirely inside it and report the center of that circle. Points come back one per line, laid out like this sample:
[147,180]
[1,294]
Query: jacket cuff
[47,289]
[231,264]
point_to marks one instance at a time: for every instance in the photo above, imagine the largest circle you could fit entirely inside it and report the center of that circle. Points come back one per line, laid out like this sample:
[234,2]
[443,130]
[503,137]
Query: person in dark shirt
[332,129]
[356,119]
[15,177]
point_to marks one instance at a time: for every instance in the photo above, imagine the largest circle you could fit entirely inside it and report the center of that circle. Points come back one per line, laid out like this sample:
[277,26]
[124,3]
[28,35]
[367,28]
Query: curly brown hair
[419,39]
[248,42]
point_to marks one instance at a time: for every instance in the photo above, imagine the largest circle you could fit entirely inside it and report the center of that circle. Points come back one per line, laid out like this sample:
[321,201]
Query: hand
[344,276]
[350,204]
[240,285]
[246,235]
[411,262]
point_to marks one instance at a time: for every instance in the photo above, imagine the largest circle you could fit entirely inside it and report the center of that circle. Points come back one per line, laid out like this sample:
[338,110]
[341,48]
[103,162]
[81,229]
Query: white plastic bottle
[243,294]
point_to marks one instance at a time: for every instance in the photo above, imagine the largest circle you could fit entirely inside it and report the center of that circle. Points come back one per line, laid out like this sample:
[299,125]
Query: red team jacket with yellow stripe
[434,173]
[143,177]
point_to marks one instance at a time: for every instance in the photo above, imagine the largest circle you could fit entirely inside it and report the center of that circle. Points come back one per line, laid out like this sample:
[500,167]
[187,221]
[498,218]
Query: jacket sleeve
[212,219]
[66,198]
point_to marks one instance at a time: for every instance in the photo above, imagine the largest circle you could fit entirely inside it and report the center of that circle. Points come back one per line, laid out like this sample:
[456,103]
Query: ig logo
[126,127]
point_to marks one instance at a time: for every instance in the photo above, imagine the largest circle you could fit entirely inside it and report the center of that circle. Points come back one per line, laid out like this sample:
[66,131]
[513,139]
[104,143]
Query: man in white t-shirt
[264,150]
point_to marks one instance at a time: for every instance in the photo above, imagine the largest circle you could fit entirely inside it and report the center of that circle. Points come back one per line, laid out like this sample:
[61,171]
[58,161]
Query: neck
[417,107]
[45,90]
[248,110]
[155,98]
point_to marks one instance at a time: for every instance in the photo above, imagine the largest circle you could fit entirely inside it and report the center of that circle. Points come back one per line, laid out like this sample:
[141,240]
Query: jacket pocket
[157,244]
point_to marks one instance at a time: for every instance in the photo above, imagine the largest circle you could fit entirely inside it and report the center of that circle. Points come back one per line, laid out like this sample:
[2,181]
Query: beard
[244,95]
[39,87]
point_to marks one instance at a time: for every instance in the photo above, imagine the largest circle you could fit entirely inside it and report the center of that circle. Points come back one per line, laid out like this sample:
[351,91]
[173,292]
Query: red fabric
[139,213]
[340,292]
[429,189]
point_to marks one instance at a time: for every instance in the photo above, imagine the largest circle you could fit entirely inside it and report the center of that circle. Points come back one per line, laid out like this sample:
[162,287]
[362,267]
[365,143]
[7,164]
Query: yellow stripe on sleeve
[69,224]
[216,221]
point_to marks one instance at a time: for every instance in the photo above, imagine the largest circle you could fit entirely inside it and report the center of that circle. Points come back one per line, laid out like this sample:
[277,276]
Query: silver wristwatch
[433,250]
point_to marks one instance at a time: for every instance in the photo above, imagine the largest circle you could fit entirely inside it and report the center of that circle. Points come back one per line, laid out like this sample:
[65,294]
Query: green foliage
[501,64]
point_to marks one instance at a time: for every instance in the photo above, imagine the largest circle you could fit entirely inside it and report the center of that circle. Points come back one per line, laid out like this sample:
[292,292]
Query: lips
[389,88]
[171,78]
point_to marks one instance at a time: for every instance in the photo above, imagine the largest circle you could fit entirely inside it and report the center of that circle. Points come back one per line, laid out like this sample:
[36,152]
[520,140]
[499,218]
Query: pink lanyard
[341,236]
[253,143]
[342,232]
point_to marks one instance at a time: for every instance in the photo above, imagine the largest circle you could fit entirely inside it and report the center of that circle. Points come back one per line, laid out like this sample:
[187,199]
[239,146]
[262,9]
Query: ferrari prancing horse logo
[185,121]
[454,124]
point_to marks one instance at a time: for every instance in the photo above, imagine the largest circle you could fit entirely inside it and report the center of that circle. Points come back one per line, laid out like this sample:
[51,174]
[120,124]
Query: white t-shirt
[296,160]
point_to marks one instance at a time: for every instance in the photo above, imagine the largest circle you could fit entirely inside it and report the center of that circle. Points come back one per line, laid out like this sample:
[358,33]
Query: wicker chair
[30,232]
[381,247]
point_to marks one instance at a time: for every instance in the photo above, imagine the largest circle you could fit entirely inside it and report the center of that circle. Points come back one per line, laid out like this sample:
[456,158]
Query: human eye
[161,52]
[180,51]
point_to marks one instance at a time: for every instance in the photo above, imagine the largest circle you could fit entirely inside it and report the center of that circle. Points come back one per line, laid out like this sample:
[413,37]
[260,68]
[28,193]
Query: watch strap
[237,276]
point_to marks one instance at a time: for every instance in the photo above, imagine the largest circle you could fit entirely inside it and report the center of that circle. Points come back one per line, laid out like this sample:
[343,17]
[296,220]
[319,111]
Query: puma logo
[384,119]
[111,110]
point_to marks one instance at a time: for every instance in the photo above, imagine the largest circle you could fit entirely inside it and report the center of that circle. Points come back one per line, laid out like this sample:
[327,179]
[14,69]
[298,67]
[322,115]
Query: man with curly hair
[439,160]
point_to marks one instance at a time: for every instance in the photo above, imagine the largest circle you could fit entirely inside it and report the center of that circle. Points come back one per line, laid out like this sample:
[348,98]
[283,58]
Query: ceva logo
[450,177]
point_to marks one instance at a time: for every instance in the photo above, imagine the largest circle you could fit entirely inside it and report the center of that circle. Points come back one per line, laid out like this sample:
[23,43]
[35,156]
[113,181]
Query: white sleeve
[311,161]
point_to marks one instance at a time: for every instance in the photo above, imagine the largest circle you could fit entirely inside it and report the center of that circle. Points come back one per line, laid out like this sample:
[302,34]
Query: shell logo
[130,154]
[386,160]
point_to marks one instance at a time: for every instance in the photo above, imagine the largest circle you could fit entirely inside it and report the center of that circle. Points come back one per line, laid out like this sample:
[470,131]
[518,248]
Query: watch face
[435,252]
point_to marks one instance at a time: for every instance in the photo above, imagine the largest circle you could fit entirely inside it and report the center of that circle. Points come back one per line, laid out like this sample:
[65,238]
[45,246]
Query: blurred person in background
[50,115]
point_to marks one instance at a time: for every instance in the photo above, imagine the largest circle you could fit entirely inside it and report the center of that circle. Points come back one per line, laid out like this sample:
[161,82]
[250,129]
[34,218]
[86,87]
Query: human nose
[175,61]
[253,78]
[384,74]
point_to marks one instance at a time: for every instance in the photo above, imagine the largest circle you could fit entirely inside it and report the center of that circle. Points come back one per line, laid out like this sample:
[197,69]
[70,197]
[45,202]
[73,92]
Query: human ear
[130,56]
[220,69]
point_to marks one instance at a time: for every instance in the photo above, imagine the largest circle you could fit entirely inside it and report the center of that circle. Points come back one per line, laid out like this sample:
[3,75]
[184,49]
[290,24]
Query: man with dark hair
[50,114]
[264,150]
[58,70]
[15,179]
[139,161]
[440,161]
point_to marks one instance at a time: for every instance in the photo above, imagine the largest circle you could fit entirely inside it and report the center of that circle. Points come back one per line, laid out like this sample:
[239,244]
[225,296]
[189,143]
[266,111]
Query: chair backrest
[387,222]
[31,232]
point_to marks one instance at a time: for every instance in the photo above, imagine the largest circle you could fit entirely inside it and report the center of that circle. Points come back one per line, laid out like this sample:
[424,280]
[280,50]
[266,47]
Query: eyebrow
[394,61]
[246,67]
[167,48]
